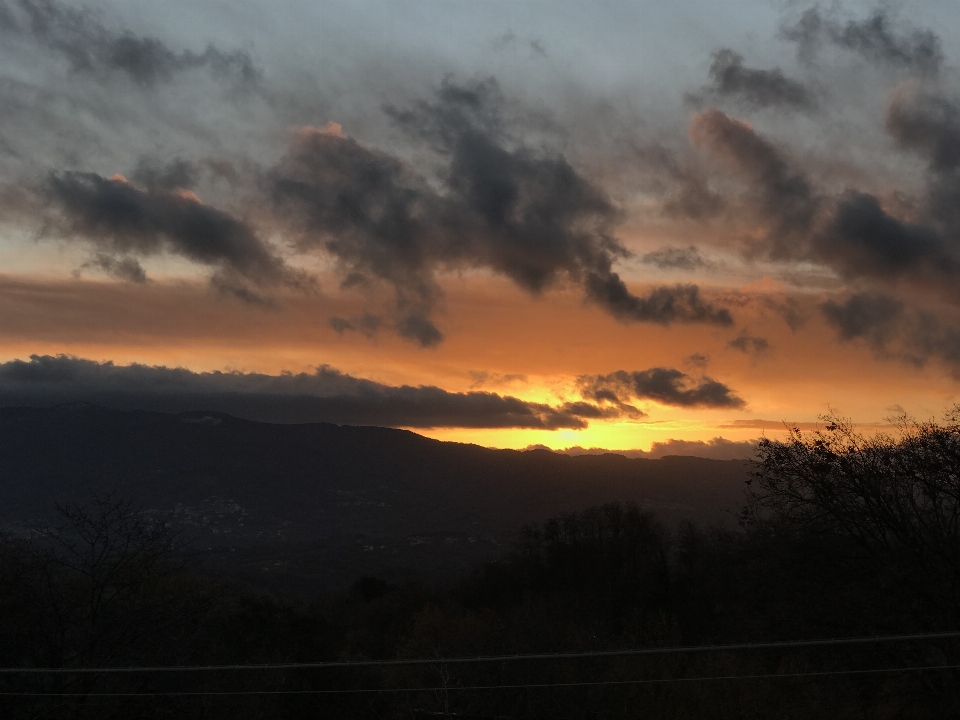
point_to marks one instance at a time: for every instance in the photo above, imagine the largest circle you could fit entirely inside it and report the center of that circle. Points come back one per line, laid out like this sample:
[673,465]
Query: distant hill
[320,503]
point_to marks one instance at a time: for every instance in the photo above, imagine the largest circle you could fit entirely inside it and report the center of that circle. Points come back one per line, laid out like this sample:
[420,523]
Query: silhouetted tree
[101,587]
[885,507]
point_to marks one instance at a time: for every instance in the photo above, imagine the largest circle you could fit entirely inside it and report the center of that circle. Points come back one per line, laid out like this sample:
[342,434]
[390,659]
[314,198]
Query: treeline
[841,535]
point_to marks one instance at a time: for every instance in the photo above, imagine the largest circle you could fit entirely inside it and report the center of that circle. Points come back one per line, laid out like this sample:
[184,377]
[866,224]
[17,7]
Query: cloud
[894,331]
[928,124]
[418,327]
[589,411]
[118,218]
[663,305]
[667,386]
[685,188]
[786,197]
[672,258]
[697,360]
[482,377]
[757,88]
[808,32]
[717,448]
[876,38]
[496,204]
[326,395]
[853,233]
[367,324]
[870,316]
[177,173]
[123,269]
[91,47]
[789,310]
[509,40]
[863,240]
[537,47]
[749,344]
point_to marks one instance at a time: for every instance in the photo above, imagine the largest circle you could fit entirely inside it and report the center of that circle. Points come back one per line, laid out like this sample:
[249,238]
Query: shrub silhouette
[882,509]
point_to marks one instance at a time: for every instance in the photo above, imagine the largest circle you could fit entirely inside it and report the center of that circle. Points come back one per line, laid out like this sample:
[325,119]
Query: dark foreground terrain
[316,506]
[840,536]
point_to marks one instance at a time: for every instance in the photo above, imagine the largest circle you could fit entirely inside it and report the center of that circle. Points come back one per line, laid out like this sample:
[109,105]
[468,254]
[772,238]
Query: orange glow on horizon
[499,339]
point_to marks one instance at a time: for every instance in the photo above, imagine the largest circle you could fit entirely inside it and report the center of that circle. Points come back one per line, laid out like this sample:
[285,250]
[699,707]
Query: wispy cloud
[90,46]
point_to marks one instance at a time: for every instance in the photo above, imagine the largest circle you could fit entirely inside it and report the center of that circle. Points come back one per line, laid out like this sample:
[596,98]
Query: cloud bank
[717,448]
[327,395]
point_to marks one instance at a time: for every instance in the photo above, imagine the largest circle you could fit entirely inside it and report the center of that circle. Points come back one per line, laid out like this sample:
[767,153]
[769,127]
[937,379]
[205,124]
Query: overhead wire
[682,649]
[517,686]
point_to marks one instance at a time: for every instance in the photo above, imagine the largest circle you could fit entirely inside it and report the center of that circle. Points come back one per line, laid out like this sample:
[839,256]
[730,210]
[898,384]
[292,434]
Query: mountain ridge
[248,488]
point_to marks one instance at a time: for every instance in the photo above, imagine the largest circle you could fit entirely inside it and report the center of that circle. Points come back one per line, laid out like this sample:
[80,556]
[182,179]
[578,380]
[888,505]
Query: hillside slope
[251,488]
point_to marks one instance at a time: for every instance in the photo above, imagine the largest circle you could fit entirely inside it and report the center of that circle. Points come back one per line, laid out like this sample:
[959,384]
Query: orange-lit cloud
[495,329]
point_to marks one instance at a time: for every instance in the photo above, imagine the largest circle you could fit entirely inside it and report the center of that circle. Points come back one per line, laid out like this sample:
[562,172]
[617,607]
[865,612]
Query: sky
[625,225]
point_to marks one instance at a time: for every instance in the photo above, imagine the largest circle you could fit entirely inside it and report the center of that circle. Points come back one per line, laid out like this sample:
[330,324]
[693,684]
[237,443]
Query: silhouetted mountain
[339,500]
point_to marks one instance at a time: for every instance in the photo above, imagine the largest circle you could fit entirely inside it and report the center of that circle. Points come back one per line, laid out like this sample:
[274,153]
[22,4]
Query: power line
[688,649]
[519,686]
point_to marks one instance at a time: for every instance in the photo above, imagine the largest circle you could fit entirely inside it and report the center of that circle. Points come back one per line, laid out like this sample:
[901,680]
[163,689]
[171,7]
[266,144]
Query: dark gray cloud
[673,258]
[862,239]
[853,233]
[869,316]
[757,88]
[418,327]
[326,395]
[927,336]
[663,305]
[121,220]
[90,46]
[928,124]
[878,38]
[697,360]
[894,331]
[664,385]
[590,411]
[495,203]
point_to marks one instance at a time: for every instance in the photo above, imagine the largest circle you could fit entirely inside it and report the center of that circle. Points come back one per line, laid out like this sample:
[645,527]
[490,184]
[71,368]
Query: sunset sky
[593,224]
